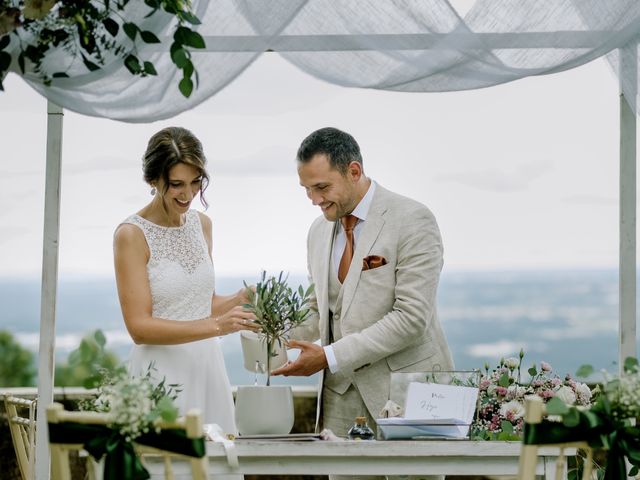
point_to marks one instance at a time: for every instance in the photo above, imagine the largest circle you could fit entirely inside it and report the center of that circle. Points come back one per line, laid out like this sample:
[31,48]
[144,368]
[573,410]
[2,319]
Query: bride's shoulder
[128,234]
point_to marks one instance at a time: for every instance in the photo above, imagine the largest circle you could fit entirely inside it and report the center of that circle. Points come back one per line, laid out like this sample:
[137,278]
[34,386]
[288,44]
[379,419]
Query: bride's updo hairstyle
[168,147]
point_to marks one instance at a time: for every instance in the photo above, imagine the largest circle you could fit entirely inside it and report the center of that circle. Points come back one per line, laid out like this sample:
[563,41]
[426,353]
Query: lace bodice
[181,274]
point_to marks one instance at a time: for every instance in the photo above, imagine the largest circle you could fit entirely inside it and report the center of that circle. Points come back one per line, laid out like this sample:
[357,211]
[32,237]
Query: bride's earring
[153,191]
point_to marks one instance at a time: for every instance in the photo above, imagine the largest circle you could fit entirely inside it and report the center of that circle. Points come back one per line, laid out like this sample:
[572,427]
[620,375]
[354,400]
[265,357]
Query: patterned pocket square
[373,261]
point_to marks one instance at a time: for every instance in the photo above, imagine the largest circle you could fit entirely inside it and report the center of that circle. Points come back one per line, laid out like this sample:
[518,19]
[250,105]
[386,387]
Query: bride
[165,277]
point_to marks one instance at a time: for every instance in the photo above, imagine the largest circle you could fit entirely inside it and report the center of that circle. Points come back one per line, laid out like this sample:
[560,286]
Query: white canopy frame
[627,255]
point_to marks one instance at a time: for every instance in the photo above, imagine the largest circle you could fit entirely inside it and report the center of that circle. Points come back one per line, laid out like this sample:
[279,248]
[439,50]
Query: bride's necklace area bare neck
[156,213]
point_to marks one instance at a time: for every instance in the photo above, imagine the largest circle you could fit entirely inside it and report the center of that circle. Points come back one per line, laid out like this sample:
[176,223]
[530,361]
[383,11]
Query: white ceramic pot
[254,349]
[264,410]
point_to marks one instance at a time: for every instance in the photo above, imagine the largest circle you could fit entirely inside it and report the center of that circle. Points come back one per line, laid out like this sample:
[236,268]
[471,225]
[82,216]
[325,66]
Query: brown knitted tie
[348,223]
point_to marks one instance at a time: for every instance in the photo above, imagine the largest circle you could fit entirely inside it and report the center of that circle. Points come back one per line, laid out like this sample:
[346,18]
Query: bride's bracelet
[217,330]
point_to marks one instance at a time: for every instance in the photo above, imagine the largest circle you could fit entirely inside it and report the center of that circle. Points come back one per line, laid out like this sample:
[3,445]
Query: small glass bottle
[360,430]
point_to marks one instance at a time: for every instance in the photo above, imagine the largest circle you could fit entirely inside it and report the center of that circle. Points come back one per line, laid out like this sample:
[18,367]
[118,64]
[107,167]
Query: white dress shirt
[361,211]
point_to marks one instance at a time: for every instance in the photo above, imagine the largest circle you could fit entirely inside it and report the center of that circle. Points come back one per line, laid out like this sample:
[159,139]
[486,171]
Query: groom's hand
[311,360]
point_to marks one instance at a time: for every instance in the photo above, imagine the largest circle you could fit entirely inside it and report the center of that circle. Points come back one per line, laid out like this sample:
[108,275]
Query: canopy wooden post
[50,243]
[627,310]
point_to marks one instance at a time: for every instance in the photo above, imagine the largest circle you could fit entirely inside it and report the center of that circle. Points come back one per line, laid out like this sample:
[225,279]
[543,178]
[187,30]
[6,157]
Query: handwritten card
[432,401]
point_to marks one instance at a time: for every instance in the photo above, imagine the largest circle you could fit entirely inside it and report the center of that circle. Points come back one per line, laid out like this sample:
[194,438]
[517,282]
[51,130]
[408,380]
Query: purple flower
[545,367]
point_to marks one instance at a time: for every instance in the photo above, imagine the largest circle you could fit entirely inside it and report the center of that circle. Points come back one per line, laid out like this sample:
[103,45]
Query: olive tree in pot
[268,409]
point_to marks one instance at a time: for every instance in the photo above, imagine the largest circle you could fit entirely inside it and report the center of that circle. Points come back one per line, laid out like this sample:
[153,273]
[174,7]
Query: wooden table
[425,457]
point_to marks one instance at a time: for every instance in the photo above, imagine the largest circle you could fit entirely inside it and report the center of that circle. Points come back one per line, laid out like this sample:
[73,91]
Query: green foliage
[17,363]
[584,371]
[87,364]
[91,32]
[135,402]
[278,309]
[610,422]
[631,365]
[555,406]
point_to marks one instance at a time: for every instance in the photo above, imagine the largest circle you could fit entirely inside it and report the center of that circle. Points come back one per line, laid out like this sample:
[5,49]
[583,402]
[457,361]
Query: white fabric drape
[410,45]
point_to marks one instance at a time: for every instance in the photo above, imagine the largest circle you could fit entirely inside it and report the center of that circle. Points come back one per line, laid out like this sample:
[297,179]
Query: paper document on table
[431,401]
[433,409]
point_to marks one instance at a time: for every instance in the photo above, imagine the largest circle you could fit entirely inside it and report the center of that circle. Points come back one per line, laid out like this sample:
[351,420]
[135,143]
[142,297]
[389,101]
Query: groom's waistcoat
[338,382]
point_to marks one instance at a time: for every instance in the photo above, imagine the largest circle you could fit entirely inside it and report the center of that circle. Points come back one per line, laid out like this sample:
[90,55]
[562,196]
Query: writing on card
[433,401]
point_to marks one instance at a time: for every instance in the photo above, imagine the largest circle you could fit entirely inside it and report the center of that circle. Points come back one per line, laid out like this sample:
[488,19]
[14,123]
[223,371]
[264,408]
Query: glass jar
[360,430]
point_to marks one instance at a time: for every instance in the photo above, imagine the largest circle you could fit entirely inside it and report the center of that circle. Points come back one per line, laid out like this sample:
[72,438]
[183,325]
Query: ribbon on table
[217,435]
[619,439]
[121,461]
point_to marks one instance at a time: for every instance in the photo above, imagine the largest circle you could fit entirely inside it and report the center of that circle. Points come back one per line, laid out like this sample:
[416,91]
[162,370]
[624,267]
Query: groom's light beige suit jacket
[389,320]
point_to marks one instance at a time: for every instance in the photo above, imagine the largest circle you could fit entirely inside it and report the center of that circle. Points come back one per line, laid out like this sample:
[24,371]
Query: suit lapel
[370,232]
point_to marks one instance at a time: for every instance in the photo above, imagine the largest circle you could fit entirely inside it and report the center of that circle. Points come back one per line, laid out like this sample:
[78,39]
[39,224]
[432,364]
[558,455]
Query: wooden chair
[534,412]
[191,424]
[21,416]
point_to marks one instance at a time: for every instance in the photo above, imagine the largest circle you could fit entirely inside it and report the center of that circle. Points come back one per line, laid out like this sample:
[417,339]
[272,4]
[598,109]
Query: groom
[375,259]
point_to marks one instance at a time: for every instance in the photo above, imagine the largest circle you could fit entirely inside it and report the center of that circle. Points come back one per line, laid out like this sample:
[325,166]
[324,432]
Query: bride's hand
[236,319]
[243,294]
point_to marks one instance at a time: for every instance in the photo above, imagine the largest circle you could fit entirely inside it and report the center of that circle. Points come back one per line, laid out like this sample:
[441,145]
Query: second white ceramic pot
[264,410]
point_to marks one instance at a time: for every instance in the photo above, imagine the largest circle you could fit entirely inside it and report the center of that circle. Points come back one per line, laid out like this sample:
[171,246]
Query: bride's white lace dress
[181,277]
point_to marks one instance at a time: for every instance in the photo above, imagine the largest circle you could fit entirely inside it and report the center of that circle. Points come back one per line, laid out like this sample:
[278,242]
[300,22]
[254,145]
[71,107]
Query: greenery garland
[91,32]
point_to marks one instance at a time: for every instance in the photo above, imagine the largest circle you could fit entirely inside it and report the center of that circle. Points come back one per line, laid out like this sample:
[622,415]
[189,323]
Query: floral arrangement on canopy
[502,392]
[93,33]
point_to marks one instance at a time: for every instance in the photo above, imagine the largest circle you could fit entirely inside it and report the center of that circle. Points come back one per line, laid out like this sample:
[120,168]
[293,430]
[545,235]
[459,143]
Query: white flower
[511,363]
[515,391]
[512,410]
[491,389]
[565,394]
[584,393]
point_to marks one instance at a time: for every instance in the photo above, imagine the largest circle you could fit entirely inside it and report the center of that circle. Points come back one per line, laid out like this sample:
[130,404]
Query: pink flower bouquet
[501,397]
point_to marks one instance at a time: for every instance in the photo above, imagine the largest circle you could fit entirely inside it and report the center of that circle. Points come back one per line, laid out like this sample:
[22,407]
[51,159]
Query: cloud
[515,179]
[100,164]
[9,233]
[269,87]
[501,348]
[594,200]
[17,173]
[271,161]
[505,348]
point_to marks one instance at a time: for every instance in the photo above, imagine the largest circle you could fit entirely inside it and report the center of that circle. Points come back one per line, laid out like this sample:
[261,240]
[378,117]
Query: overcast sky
[523,175]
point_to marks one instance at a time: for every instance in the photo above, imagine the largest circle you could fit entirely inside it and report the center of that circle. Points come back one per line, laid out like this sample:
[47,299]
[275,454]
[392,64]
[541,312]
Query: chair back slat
[22,424]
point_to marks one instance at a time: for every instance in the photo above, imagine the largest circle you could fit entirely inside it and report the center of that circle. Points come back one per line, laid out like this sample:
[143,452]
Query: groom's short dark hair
[339,146]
